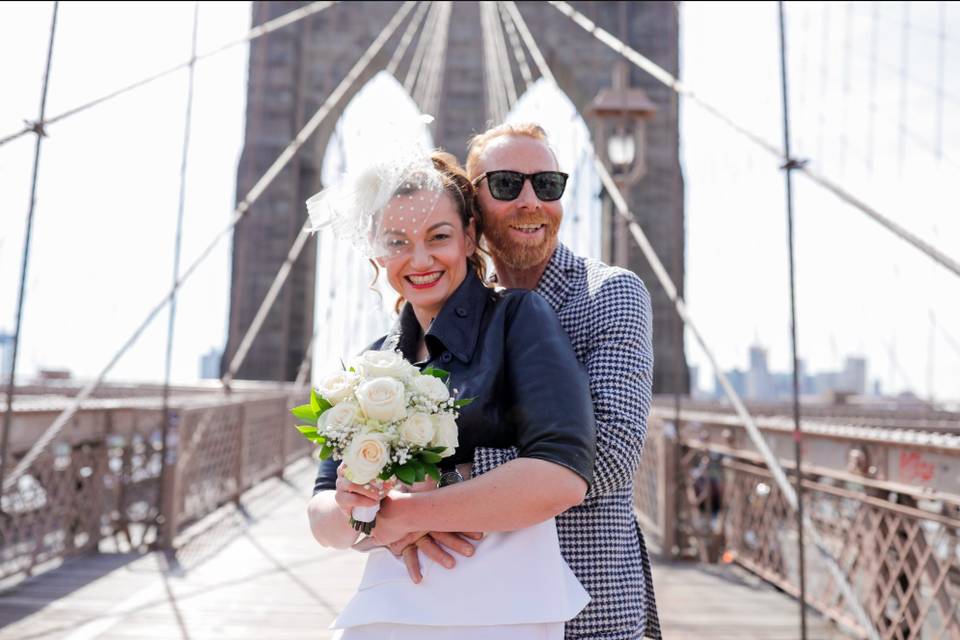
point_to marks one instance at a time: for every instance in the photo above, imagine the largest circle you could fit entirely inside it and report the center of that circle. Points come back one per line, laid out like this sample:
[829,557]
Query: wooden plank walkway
[257,574]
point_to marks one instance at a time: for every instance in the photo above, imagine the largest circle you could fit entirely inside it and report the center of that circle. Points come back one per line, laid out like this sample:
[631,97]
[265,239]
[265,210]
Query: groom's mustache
[527,219]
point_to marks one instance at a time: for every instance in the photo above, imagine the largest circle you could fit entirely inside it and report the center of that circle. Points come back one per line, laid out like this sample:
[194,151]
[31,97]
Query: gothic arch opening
[348,311]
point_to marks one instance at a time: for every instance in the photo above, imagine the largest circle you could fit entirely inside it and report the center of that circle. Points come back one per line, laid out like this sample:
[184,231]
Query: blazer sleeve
[549,396]
[619,362]
[326,476]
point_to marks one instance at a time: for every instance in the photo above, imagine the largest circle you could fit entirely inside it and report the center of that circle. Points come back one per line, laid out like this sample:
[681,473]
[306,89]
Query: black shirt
[507,350]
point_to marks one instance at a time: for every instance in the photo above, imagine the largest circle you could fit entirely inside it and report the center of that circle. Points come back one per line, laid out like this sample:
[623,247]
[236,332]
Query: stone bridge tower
[294,69]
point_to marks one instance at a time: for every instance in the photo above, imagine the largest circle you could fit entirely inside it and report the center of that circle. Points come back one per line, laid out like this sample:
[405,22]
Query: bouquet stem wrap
[364,519]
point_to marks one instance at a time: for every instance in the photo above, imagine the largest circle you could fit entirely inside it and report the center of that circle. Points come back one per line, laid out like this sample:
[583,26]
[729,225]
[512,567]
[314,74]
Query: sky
[102,248]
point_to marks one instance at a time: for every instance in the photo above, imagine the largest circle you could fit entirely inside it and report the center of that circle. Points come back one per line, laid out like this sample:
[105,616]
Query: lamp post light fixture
[620,116]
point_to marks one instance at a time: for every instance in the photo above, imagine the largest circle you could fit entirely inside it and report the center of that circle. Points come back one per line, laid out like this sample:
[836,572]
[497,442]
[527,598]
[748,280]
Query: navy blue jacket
[507,350]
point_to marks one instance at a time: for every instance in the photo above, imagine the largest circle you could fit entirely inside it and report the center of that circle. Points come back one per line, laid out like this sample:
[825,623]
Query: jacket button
[460,311]
[446,356]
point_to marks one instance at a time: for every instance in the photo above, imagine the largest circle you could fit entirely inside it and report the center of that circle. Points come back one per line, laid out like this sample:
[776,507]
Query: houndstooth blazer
[606,313]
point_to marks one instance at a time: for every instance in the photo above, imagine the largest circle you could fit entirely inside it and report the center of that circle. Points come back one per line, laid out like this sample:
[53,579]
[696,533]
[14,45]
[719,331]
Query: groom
[606,313]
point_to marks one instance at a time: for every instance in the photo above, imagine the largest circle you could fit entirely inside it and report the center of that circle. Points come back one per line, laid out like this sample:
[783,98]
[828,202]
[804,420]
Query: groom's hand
[432,544]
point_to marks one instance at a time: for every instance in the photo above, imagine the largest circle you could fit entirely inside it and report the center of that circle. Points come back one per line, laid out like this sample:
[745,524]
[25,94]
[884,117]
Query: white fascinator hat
[384,202]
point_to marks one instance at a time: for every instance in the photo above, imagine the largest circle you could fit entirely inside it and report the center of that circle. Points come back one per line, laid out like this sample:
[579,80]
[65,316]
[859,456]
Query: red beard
[520,254]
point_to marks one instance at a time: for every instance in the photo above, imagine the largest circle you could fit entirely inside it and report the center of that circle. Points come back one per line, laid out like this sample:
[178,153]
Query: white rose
[383,364]
[383,399]
[432,388]
[337,387]
[366,457]
[418,429]
[341,416]
[446,435]
[409,371]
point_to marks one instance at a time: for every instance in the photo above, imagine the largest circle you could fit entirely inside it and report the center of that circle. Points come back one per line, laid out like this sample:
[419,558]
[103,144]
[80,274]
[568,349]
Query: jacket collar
[558,278]
[456,328]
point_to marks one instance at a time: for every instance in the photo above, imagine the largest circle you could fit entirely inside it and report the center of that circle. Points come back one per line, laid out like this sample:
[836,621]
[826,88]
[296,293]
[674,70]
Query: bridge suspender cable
[789,166]
[407,38]
[292,148]
[666,78]
[168,358]
[667,283]
[416,63]
[11,384]
[432,61]
[253,34]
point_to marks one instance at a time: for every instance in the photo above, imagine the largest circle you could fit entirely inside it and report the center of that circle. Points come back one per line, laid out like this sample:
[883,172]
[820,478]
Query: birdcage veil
[384,202]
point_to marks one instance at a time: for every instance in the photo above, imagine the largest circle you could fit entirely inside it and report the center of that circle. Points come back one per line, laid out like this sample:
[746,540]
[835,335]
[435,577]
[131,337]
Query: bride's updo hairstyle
[459,187]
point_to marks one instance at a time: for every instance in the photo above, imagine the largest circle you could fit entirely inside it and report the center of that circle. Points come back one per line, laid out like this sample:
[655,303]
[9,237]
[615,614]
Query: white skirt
[545,631]
[516,586]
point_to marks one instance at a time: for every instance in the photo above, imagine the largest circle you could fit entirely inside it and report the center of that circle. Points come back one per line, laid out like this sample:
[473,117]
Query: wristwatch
[449,477]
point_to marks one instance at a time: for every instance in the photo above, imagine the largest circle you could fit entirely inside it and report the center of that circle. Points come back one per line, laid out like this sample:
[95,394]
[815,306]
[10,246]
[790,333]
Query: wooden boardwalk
[256,573]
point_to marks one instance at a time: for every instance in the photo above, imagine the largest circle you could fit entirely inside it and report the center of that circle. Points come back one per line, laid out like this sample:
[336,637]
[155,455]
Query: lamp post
[619,115]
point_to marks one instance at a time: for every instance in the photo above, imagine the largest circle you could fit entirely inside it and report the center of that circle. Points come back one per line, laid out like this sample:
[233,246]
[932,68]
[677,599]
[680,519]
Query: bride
[416,217]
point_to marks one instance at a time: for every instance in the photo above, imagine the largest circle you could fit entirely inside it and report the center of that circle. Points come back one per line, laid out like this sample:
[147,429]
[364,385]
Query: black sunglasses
[507,185]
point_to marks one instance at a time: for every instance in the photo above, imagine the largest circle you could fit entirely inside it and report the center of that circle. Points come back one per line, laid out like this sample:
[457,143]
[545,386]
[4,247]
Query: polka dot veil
[383,207]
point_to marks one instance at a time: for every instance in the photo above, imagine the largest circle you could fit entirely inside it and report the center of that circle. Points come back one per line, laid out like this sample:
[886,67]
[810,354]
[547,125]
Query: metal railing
[886,502]
[102,479]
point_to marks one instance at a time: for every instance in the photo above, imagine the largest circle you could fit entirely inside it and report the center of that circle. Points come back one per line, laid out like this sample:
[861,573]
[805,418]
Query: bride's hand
[350,495]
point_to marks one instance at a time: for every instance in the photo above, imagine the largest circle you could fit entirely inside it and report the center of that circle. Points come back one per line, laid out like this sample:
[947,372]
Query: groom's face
[521,233]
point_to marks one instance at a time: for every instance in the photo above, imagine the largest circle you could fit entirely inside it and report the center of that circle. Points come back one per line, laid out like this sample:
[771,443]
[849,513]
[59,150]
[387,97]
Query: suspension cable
[11,383]
[171,322]
[407,38]
[666,78]
[278,281]
[431,93]
[497,106]
[776,470]
[292,148]
[431,58]
[265,28]
[505,71]
[518,53]
[416,63]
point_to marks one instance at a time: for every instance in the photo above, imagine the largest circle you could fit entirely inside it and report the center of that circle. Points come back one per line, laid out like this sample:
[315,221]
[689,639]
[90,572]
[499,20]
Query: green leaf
[436,373]
[306,413]
[430,457]
[319,403]
[436,449]
[432,471]
[459,404]
[307,431]
[326,451]
[407,474]
[387,473]
[419,469]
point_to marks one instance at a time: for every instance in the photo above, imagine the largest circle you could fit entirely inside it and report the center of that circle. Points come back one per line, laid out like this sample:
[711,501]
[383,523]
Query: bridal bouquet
[385,419]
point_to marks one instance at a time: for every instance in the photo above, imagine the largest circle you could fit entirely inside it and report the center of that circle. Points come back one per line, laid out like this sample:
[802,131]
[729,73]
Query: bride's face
[426,262]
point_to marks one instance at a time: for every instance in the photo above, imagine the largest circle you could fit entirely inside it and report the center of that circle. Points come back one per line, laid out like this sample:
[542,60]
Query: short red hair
[479,142]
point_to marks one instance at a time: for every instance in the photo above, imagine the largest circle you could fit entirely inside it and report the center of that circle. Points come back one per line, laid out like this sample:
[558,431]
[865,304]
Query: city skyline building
[6,355]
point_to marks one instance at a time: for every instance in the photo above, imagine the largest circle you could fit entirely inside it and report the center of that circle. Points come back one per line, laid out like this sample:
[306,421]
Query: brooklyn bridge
[144,503]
